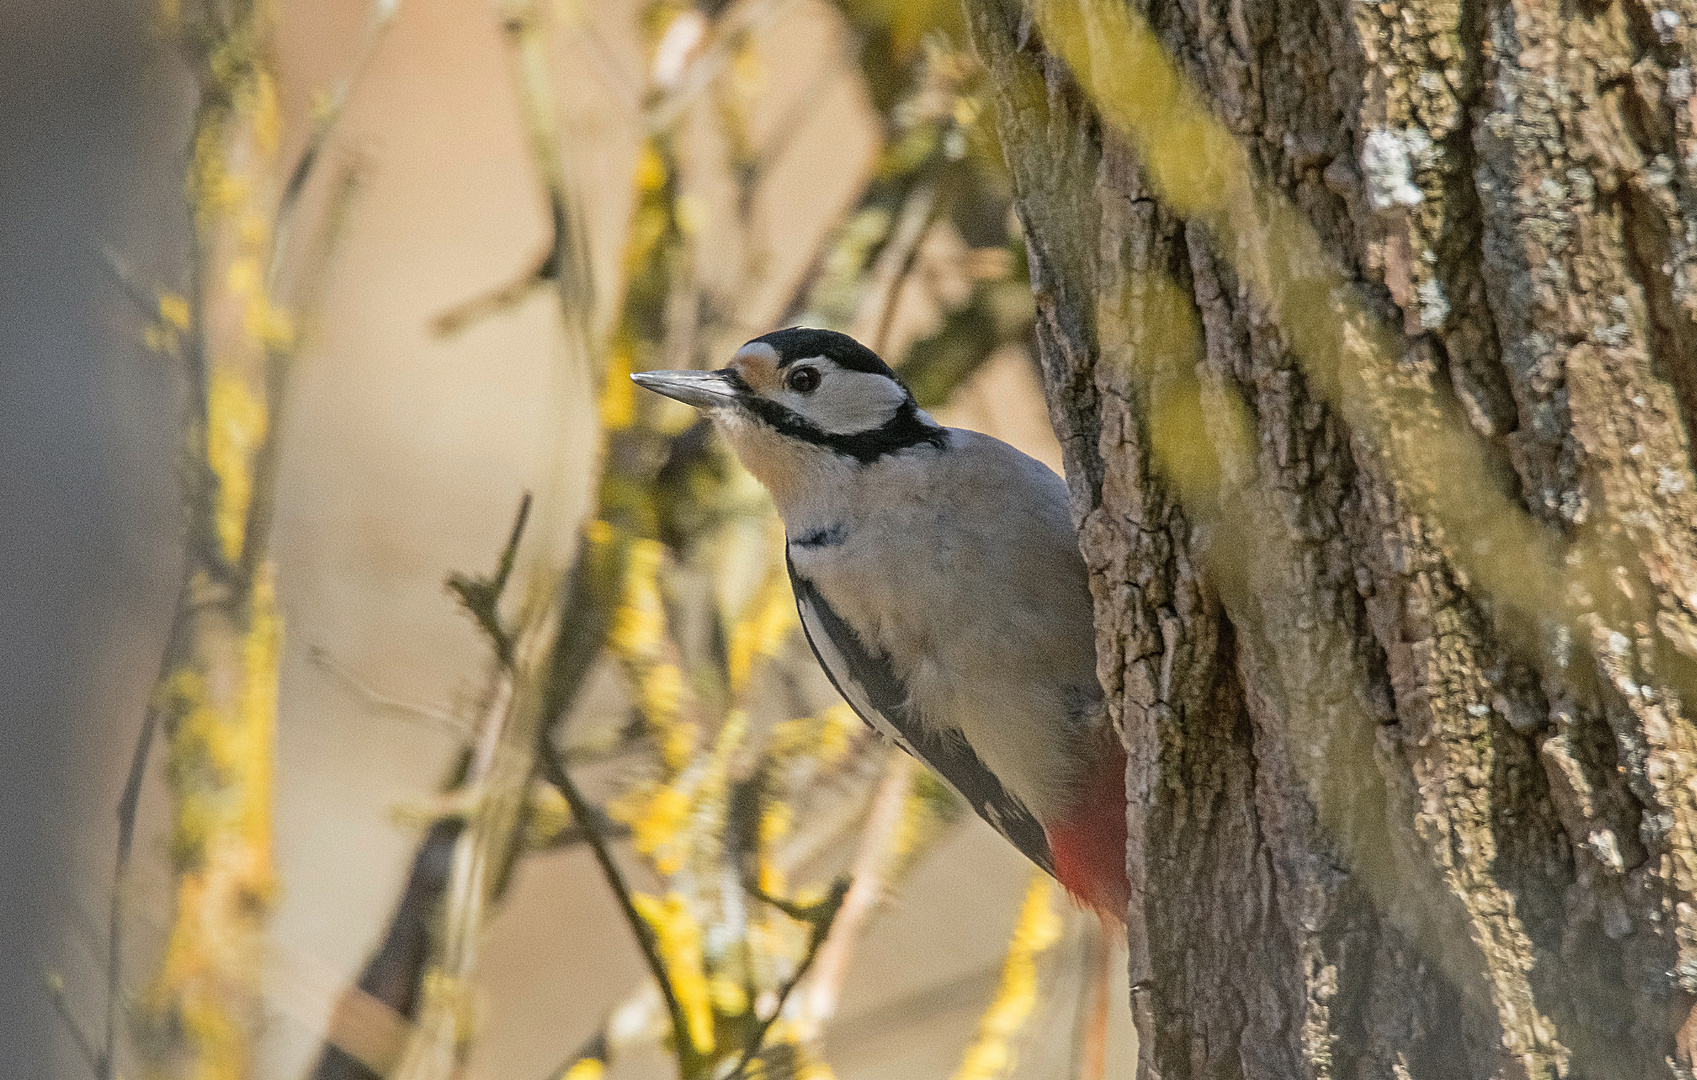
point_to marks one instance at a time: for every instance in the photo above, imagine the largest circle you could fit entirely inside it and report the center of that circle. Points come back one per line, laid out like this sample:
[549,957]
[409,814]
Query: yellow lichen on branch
[199,1009]
[768,623]
[991,1053]
[235,426]
[640,642]
[217,695]
[679,935]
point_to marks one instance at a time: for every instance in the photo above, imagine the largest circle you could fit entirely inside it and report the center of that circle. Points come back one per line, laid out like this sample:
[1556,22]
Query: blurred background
[828,168]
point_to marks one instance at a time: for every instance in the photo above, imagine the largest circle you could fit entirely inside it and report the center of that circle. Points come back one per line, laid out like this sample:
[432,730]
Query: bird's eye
[803,380]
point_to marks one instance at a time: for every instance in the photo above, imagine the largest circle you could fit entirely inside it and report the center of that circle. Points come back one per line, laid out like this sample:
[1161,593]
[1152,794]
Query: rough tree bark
[1387,818]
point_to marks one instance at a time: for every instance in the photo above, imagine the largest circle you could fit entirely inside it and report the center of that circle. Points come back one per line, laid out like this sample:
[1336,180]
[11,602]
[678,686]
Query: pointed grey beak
[703,389]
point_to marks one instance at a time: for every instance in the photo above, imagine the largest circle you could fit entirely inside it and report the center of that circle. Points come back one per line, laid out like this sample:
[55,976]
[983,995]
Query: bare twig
[85,1045]
[901,255]
[742,18]
[312,284]
[1095,980]
[481,596]
[866,888]
[634,1021]
[382,14]
[262,502]
[618,80]
[567,263]
[819,918]
[496,300]
[176,646]
[588,817]
[502,763]
[794,120]
[124,276]
[440,719]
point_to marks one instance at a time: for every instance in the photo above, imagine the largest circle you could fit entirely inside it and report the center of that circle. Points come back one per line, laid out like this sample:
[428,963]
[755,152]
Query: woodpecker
[940,586]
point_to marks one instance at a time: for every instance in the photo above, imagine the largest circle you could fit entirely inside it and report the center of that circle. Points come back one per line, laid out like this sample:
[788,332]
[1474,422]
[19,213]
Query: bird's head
[796,401]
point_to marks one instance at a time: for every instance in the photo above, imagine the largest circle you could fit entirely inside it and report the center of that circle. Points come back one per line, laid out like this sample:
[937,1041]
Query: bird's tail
[1089,843]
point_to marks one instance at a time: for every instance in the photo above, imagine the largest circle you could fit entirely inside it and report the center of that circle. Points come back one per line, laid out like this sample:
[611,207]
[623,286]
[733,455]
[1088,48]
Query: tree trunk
[1370,335]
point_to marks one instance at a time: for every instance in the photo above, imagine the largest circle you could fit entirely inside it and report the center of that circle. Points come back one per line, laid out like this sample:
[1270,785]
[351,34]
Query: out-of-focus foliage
[770,824]
[741,793]
[232,330]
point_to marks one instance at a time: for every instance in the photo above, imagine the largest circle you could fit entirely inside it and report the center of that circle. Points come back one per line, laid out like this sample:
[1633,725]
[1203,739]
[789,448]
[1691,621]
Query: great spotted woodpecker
[940,585]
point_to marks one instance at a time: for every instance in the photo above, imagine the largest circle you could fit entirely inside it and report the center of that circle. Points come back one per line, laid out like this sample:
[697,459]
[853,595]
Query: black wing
[867,682]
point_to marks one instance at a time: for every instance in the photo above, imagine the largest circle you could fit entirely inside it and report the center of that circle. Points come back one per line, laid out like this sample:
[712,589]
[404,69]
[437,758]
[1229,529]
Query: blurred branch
[390,977]
[128,805]
[166,314]
[1090,1034]
[587,818]
[497,300]
[633,1021]
[313,282]
[93,1058]
[900,255]
[216,696]
[502,762]
[795,118]
[622,83]
[999,313]
[819,918]
[439,719]
[481,596]
[866,889]
[1039,927]
[738,20]
[565,261]
[326,114]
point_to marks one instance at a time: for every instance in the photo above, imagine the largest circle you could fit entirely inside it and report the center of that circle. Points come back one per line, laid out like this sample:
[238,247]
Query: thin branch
[902,255]
[262,503]
[739,20]
[127,806]
[632,1022]
[617,79]
[382,14]
[594,1048]
[199,483]
[481,596]
[440,719]
[567,263]
[1095,982]
[964,991]
[176,644]
[129,284]
[794,120]
[499,299]
[588,817]
[865,889]
[311,285]
[819,917]
[573,835]
[85,1045]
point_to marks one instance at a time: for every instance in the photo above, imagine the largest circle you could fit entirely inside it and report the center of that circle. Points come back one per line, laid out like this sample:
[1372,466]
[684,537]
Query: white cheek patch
[846,402]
